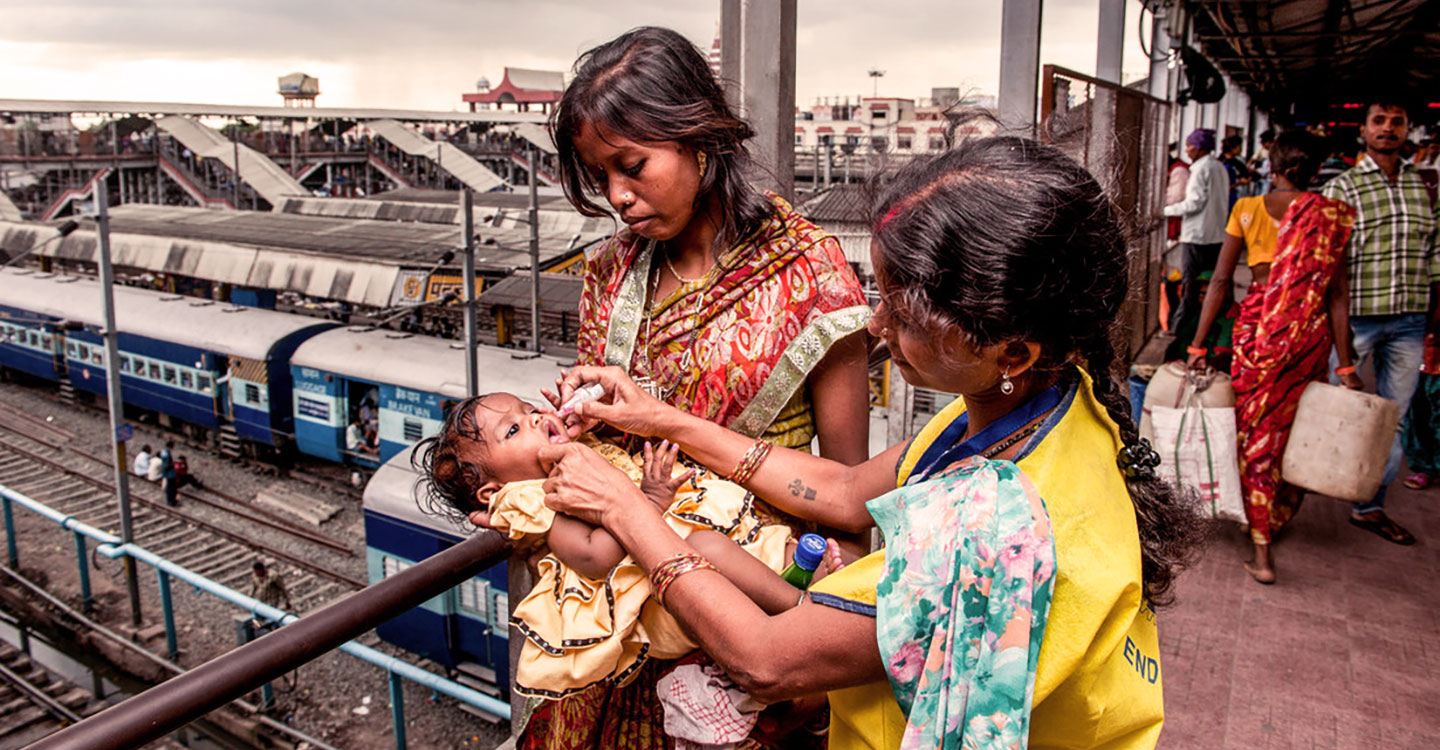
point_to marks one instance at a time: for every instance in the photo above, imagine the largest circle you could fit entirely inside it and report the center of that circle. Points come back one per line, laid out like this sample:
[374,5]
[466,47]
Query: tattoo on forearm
[799,489]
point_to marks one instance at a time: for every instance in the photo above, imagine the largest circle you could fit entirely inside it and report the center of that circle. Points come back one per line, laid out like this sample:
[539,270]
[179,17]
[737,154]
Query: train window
[390,566]
[202,384]
[252,393]
[413,430]
[35,339]
[185,379]
[170,375]
[46,341]
[154,371]
[475,597]
[97,356]
[124,364]
[84,353]
[502,611]
[70,349]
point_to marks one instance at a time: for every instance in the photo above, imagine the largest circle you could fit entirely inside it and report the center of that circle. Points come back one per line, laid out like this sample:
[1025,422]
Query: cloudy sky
[423,54]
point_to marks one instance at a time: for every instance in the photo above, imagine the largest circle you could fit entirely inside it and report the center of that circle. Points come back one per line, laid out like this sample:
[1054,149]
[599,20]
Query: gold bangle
[668,570]
[750,462]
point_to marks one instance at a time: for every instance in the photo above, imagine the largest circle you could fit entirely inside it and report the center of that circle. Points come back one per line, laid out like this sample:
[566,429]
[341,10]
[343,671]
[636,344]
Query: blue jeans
[1398,345]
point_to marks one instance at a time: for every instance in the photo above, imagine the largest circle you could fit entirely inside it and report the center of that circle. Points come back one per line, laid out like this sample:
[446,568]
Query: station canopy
[1316,53]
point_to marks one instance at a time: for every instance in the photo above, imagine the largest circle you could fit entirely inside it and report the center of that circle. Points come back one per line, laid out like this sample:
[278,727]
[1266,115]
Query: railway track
[34,460]
[33,702]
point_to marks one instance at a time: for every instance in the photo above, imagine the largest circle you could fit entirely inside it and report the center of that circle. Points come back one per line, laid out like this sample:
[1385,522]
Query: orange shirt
[1250,221]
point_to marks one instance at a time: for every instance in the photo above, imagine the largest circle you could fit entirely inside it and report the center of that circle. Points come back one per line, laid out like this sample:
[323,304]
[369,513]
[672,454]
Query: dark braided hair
[1010,240]
[652,85]
[448,478]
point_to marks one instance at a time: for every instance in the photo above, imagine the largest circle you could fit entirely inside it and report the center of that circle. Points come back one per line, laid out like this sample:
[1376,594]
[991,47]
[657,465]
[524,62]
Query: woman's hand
[584,485]
[1352,381]
[624,406]
[1197,362]
[575,425]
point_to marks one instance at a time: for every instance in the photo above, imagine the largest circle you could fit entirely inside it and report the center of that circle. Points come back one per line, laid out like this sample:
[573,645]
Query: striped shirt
[1392,252]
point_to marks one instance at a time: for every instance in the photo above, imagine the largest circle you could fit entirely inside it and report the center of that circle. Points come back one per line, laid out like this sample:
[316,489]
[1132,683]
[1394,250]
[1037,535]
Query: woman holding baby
[720,300]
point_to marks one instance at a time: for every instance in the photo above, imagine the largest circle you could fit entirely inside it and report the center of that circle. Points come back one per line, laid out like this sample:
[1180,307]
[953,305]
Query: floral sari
[735,348]
[1282,344]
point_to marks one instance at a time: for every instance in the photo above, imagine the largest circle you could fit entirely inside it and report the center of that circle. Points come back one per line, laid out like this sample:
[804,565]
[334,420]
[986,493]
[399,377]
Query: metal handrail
[172,704]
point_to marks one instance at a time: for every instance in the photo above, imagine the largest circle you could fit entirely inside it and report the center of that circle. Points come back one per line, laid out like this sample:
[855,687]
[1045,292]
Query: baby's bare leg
[764,586]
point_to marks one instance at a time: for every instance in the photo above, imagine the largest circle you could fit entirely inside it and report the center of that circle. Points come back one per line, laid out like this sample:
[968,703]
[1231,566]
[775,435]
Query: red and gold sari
[735,348]
[1282,344]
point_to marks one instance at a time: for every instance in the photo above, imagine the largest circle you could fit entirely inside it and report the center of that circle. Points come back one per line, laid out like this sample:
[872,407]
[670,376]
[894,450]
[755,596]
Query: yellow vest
[1098,684]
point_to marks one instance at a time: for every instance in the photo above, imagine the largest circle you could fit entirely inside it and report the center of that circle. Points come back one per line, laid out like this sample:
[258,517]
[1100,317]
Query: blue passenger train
[278,380]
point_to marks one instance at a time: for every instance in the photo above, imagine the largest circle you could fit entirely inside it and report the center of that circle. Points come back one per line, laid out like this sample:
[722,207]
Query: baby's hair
[448,479]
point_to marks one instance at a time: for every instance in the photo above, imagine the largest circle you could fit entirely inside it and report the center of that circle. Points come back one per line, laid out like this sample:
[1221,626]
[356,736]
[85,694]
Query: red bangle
[1198,351]
[1346,370]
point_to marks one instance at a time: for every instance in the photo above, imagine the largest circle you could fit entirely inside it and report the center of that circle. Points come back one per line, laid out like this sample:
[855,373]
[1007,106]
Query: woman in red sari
[1296,309]
[720,300]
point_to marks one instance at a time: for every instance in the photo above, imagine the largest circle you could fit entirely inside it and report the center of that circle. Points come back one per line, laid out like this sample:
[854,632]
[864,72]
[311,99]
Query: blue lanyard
[945,451]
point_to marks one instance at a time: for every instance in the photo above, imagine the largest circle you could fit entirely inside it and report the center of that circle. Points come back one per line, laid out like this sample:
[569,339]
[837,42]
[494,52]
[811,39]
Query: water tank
[483,85]
[1340,442]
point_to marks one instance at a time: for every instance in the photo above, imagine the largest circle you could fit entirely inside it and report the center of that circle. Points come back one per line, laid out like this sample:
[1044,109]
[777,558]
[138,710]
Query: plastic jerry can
[1340,442]
[1167,388]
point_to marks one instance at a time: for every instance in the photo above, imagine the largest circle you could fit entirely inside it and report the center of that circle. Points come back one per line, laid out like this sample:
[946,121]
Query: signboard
[124,432]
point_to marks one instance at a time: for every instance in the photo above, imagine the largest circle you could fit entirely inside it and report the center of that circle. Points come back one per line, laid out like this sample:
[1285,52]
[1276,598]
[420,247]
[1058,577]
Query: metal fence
[1119,134]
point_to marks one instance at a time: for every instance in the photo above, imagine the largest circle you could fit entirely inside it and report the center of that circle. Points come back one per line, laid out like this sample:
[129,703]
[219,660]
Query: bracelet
[672,568]
[750,462]
[1198,351]
[1346,370]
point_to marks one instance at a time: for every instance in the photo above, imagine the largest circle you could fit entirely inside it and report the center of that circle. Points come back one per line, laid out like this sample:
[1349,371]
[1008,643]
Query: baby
[590,617]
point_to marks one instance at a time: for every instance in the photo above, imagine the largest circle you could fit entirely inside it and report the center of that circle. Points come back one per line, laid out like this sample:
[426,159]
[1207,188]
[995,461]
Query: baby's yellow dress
[579,631]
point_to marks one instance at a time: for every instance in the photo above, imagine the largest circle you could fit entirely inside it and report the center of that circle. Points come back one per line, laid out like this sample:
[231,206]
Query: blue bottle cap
[810,551]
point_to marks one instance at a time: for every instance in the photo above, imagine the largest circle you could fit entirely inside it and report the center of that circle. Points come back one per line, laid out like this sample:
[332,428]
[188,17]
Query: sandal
[1381,525]
[1419,480]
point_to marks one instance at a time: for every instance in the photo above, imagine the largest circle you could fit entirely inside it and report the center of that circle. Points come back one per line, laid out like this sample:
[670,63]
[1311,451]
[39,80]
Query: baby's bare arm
[589,550]
[764,586]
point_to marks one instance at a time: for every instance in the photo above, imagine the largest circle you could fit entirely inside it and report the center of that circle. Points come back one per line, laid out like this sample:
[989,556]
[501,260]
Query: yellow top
[1250,221]
[580,631]
[1098,682]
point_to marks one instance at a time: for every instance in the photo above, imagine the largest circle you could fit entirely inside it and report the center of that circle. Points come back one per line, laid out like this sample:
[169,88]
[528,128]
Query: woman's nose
[620,195]
[877,323]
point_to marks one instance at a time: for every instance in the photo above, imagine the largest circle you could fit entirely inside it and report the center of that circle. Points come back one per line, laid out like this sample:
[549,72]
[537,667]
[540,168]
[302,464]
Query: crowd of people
[1027,536]
[1345,272]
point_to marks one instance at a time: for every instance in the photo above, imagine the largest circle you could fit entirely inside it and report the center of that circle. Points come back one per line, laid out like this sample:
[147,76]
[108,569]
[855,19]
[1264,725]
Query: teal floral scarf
[962,603]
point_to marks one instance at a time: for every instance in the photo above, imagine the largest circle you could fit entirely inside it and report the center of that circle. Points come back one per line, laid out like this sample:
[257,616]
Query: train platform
[1340,653]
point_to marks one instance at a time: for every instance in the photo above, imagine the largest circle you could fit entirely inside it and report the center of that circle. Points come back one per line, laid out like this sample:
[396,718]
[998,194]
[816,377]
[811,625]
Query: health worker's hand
[575,424]
[624,406]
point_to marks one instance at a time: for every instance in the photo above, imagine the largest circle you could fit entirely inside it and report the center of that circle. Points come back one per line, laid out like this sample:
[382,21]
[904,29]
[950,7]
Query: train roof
[423,363]
[391,492]
[190,321]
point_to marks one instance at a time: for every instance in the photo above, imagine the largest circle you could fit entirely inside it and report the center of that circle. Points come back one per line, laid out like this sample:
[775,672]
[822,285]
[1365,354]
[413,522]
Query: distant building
[884,124]
[521,90]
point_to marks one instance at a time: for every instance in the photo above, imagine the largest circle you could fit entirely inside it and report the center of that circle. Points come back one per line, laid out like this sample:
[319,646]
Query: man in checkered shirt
[1394,277]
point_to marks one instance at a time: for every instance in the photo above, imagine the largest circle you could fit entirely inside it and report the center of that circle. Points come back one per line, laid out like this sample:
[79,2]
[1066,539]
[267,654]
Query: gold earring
[700,160]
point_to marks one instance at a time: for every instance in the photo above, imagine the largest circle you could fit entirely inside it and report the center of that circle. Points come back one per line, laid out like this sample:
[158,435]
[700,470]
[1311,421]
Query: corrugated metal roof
[431,364]
[61,106]
[228,329]
[557,291]
[848,203]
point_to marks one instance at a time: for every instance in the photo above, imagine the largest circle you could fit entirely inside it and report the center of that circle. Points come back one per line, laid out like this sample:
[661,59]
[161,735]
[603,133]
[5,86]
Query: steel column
[81,557]
[472,355]
[534,216]
[397,709]
[11,553]
[112,393]
[172,646]
[1019,64]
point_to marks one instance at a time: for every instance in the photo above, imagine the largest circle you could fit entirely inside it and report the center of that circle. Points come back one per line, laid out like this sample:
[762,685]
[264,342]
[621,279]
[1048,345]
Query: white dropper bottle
[587,392]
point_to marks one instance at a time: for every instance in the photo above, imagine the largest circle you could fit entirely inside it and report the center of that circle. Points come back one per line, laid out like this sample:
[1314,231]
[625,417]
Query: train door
[361,404]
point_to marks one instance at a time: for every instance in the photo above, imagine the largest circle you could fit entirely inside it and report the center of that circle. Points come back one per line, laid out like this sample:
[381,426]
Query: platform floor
[1342,653]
